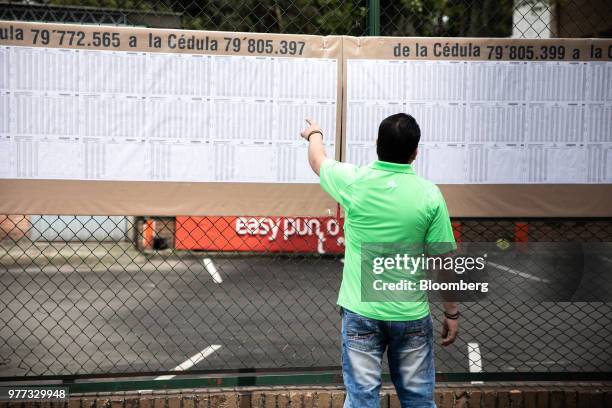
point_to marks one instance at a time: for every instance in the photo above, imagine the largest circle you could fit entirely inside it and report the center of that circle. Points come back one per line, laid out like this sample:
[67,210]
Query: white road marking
[192,361]
[516,272]
[212,270]
[474,360]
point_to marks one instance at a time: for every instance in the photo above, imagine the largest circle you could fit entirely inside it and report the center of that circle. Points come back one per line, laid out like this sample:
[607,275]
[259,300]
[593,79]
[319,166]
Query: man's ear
[414,155]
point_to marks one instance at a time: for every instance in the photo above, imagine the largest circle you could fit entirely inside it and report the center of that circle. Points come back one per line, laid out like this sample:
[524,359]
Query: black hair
[398,138]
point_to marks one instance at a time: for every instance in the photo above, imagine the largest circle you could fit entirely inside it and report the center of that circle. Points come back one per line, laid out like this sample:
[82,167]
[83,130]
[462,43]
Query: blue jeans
[409,348]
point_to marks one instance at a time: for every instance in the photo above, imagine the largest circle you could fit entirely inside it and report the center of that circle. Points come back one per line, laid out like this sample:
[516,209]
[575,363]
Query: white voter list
[489,122]
[78,114]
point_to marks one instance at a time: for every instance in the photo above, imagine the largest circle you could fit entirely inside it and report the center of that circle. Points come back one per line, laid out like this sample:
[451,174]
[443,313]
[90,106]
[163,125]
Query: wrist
[452,316]
[315,133]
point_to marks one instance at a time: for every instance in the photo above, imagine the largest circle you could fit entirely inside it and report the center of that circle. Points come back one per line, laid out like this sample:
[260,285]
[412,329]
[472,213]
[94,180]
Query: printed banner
[509,127]
[132,121]
[101,103]
[147,121]
[324,235]
[491,111]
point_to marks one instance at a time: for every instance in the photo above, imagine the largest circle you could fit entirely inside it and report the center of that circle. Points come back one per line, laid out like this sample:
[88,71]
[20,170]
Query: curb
[557,395]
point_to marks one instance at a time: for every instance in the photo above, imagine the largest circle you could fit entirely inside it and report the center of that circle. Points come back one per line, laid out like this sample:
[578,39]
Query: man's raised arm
[316,150]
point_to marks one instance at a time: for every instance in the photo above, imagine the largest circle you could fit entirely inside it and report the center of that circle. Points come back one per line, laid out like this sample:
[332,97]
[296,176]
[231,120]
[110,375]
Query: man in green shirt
[386,203]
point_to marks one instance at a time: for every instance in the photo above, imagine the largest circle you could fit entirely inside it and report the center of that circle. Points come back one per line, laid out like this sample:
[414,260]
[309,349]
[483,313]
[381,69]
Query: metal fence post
[374,17]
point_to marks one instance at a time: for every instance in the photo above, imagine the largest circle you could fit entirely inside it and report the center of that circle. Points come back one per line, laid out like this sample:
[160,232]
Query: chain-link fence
[86,295]
[103,295]
[455,18]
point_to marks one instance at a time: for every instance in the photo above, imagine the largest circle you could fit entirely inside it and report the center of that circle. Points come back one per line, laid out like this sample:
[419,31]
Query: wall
[447,396]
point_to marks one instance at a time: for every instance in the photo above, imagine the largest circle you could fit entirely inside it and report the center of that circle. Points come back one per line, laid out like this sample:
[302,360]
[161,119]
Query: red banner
[261,234]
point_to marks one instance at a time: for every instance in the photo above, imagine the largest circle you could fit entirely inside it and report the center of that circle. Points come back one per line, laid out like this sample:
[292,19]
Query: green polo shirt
[384,203]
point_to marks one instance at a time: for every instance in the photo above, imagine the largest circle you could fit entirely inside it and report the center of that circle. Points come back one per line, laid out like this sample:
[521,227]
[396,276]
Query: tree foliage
[463,18]
[348,17]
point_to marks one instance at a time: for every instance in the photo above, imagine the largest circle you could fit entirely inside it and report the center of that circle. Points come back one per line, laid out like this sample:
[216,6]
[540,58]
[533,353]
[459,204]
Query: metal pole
[374,17]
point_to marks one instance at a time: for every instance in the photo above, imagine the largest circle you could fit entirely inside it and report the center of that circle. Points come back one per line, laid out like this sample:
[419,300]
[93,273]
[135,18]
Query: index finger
[309,121]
